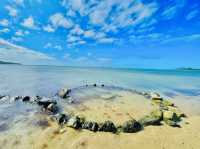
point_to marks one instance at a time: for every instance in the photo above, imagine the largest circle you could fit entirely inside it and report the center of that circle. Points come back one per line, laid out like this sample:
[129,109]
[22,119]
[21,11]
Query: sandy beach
[123,107]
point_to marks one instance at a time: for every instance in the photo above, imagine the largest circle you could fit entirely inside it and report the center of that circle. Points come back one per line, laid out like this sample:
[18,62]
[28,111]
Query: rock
[26,99]
[17,98]
[62,118]
[131,126]
[64,93]
[52,108]
[107,126]
[167,103]
[48,105]
[94,85]
[74,122]
[150,120]
[92,126]
[2,96]
[157,114]
[102,85]
[172,123]
[155,96]
[170,115]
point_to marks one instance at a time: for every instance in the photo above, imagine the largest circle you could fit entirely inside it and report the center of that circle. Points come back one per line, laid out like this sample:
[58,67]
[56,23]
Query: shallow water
[46,80]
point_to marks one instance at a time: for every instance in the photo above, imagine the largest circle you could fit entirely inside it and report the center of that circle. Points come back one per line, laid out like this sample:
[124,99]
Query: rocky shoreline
[164,112]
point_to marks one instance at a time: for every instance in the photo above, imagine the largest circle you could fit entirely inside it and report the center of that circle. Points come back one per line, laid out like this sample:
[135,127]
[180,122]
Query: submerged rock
[107,126]
[131,126]
[92,126]
[64,93]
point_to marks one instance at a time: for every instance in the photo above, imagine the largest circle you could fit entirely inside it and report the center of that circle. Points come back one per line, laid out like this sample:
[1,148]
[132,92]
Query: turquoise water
[47,80]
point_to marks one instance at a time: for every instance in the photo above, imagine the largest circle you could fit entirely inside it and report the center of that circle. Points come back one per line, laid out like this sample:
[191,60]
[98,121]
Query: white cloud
[5,30]
[89,34]
[106,40]
[77,30]
[49,28]
[58,20]
[192,15]
[4,22]
[16,39]
[73,38]
[169,13]
[14,53]
[29,23]
[12,11]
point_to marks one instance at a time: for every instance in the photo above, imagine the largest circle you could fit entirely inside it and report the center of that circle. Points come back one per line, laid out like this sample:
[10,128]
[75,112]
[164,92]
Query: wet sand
[118,110]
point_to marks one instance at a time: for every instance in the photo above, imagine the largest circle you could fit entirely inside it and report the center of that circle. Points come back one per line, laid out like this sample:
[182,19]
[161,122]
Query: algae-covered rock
[157,114]
[74,122]
[131,126]
[167,103]
[64,93]
[92,126]
[172,123]
[150,120]
[107,126]
[170,115]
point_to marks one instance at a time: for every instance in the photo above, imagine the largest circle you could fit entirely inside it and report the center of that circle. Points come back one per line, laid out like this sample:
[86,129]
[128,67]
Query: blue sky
[109,33]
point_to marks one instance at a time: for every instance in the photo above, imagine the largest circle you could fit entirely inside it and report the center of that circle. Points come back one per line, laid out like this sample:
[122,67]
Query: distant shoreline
[9,63]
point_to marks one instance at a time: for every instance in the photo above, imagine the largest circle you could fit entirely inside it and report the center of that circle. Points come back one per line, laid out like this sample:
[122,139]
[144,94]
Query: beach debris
[107,126]
[92,126]
[131,126]
[64,93]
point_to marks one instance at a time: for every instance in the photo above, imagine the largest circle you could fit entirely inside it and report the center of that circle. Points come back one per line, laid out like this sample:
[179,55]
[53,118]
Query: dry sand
[152,137]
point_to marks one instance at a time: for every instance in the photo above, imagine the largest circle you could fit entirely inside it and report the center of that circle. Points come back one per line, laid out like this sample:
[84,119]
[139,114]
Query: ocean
[47,80]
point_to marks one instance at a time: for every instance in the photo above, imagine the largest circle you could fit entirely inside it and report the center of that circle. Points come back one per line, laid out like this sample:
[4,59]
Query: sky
[101,33]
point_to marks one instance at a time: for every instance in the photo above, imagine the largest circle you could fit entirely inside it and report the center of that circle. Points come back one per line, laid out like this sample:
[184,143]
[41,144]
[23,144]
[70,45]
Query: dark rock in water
[131,126]
[102,85]
[49,105]
[94,85]
[38,98]
[52,108]
[62,118]
[64,93]
[26,99]
[107,126]
[2,96]
[18,98]
[92,126]
[75,122]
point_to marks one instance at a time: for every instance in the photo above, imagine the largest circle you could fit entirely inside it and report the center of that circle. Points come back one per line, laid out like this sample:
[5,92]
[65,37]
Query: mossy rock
[150,120]
[157,114]
[131,126]
[167,103]
[170,115]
